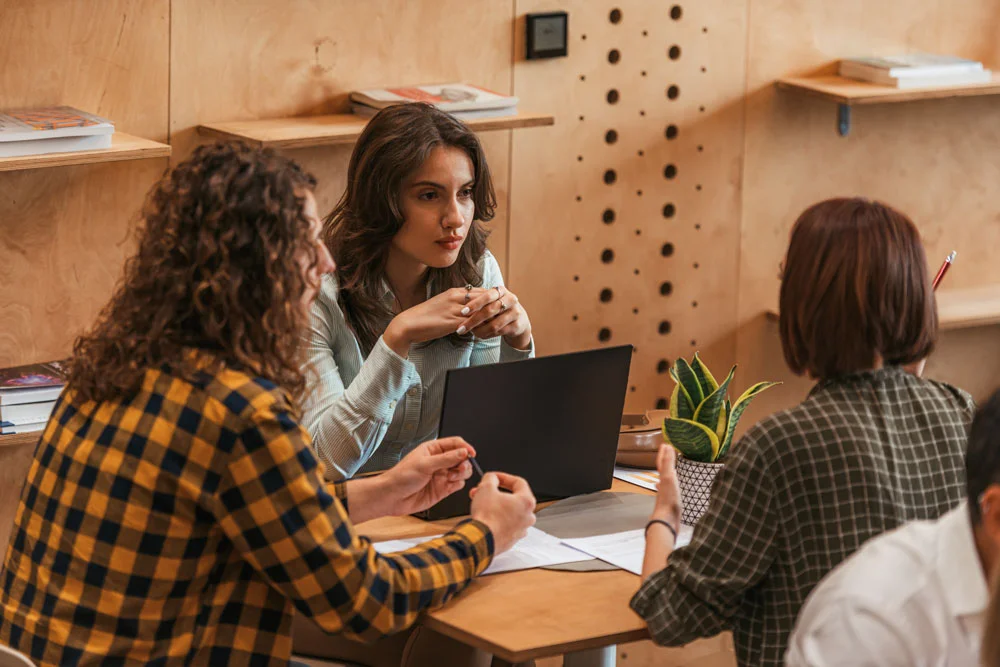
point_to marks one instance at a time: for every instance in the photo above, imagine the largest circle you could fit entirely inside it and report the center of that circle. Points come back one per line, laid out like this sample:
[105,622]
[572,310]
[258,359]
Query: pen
[944,268]
[475,466]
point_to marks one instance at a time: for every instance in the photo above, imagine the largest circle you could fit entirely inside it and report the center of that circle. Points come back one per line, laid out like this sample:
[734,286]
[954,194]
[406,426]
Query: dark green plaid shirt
[801,492]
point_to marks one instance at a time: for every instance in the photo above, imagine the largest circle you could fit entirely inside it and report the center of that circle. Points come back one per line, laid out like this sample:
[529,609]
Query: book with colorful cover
[51,123]
[445,96]
[32,383]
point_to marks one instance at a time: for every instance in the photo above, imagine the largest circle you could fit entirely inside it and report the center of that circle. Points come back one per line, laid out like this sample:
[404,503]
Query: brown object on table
[16,453]
[640,438]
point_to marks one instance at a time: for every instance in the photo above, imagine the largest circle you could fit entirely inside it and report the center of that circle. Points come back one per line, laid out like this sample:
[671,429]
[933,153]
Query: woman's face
[313,275]
[438,209]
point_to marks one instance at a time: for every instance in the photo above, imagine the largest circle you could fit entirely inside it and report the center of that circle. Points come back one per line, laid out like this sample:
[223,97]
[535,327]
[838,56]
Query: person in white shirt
[917,595]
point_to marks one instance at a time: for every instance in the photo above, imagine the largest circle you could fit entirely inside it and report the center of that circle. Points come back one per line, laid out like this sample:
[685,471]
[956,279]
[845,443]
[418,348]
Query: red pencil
[944,268]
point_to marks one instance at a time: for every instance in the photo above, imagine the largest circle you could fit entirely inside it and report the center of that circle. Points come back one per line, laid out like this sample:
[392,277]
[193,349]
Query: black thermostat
[547,35]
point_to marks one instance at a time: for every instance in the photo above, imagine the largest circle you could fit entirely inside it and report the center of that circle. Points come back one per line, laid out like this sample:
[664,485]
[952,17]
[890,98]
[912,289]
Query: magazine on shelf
[366,111]
[51,123]
[445,96]
[7,428]
[26,413]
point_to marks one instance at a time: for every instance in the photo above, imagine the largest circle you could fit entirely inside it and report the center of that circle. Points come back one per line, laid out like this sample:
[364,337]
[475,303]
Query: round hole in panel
[613,96]
[614,55]
[670,171]
[608,255]
[615,16]
[667,250]
[662,366]
[608,216]
[673,92]
[676,12]
[674,52]
[661,404]
[604,335]
[607,295]
[610,176]
[664,327]
[671,132]
[669,211]
[666,288]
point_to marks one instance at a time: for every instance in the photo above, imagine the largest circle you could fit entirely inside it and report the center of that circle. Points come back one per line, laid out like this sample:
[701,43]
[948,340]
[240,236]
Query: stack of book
[461,100]
[916,70]
[28,394]
[52,130]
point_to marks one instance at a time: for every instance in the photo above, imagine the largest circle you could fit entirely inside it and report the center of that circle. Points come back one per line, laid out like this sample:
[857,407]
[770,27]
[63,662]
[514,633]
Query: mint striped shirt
[365,413]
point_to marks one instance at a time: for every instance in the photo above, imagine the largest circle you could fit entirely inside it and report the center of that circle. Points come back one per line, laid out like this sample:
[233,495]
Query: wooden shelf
[123,147]
[848,92]
[306,131]
[19,439]
[960,308]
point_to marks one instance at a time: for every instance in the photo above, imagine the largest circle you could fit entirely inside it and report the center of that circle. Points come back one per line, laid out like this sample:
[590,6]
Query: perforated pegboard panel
[624,224]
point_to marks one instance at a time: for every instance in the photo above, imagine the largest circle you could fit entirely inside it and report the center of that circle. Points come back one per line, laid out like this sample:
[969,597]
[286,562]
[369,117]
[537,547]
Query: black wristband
[672,530]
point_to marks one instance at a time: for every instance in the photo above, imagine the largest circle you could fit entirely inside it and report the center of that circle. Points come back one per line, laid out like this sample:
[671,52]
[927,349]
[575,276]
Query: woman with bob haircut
[871,447]
[415,292]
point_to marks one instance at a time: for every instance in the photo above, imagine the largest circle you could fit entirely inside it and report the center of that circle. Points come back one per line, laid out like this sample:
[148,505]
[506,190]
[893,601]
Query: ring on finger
[503,306]
[500,292]
[468,293]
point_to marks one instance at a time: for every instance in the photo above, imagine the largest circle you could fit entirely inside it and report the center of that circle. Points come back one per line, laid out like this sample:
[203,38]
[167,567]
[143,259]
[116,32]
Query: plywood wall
[64,232]
[276,59]
[935,160]
[632,238]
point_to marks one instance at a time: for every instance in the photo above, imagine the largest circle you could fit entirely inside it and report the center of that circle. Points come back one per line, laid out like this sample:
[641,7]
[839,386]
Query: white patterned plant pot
[695,479]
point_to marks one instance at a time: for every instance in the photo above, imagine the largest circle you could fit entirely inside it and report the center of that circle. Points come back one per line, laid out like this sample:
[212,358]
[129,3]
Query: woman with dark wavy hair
[415,292]
[174,512]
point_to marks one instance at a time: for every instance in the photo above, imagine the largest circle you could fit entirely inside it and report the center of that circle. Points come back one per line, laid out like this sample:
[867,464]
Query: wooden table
[535,613]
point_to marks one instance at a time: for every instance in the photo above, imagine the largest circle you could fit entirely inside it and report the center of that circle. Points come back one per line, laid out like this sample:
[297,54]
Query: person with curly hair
[174,512]
[415,292]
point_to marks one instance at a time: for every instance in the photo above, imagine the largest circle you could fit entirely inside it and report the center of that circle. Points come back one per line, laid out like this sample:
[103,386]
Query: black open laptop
[552,420]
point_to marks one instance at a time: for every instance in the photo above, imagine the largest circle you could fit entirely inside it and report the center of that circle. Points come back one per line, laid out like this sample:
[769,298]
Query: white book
[29,395]
[365,111]
[10,429]
[961,79]
[445,96]
[56,145]
[891,69]
[26,413]
[51,123]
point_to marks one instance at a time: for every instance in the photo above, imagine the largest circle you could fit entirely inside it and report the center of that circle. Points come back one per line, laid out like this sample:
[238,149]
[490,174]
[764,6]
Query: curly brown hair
[360,229]
[217,269]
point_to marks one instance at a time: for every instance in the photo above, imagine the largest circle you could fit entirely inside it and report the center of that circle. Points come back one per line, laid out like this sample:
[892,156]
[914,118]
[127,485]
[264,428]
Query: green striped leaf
[737,411]
[691,439]
[708,412]
[680,403]
[687,378]
[705,377]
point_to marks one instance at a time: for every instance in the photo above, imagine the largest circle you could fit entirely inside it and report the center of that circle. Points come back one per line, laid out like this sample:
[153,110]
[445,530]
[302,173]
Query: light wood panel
[557,230]
[849,91]
[934,160]
[234,60]
[306,131]
[123,147]
[64,231]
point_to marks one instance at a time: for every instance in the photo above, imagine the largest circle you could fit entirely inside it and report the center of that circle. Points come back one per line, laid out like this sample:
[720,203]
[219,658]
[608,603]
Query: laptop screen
[552,420]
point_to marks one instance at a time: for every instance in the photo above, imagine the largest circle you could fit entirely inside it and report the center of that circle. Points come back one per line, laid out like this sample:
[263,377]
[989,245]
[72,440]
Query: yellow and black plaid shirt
[182,525]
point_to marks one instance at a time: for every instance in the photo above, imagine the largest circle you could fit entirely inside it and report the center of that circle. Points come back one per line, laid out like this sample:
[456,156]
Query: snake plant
[702,418]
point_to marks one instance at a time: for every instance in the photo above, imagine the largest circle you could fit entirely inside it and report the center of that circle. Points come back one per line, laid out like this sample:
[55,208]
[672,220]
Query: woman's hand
[668,492]
[431,472]
[498,312]
[435,318]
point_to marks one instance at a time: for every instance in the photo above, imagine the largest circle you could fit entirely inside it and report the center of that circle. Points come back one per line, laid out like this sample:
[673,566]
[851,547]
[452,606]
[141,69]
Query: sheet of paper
[536,549]
[623,549]
[647,479]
